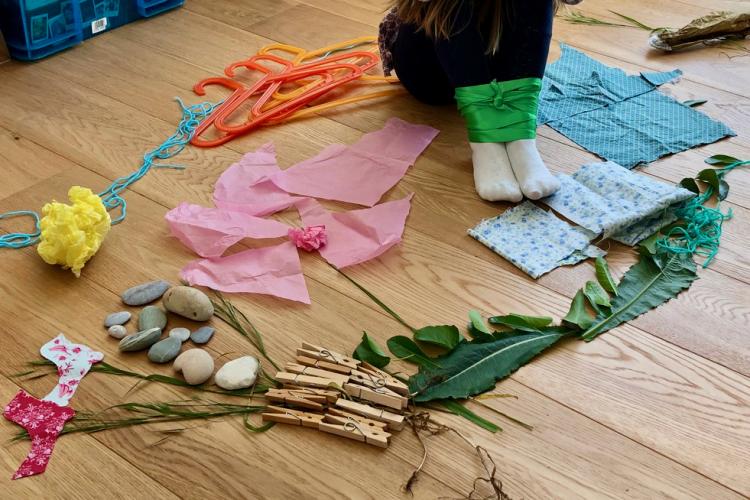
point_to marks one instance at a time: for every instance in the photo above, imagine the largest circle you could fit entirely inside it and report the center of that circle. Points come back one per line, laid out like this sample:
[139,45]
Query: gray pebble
[152,317]
[181,334]
[165,350]
[140,341]
[145,293]
[117,331]
[118,318]
[202,334]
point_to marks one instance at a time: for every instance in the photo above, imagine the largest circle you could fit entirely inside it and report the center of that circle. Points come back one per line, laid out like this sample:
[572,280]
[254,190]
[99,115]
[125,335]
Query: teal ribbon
[500,111]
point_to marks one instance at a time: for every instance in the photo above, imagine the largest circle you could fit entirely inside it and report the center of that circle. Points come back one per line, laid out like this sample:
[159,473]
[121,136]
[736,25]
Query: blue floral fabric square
[534,240]
[616,203]
[620,117]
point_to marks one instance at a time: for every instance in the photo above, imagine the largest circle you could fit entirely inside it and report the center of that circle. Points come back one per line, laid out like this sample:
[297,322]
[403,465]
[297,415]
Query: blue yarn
[20,240]
[191,118]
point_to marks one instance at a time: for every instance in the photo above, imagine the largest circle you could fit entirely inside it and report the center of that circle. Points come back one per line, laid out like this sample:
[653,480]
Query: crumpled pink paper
[358,235]
[210,231]
[360,173]
[245,185]
[274,270]
[309,238]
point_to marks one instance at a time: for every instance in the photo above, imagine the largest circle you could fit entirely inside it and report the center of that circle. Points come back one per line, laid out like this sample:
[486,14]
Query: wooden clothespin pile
[339,395]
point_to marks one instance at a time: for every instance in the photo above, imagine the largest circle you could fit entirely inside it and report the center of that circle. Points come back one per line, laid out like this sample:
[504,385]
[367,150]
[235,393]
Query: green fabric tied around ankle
[500,111]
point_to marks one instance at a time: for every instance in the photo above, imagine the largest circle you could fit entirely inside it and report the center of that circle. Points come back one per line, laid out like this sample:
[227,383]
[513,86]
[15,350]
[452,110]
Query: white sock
[535,180]
[493,175]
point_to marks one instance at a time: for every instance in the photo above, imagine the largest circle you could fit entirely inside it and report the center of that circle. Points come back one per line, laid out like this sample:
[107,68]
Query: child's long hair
[436,17]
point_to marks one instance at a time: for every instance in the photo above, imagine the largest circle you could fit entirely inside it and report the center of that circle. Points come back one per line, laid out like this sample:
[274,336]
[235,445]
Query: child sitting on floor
[487,56]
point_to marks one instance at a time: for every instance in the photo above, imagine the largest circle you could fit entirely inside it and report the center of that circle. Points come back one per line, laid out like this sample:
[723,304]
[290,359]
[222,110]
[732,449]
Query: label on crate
[98,25]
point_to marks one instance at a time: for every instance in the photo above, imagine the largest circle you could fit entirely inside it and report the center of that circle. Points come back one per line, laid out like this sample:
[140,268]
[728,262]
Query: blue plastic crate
[34,29]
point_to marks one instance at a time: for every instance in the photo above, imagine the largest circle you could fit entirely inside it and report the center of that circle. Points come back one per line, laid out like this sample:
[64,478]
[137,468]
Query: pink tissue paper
[210,231]
[360,173]
[274,270]
[358,235]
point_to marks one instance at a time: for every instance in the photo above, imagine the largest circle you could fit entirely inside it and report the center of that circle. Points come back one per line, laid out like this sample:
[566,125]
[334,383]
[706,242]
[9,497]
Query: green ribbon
[500,111]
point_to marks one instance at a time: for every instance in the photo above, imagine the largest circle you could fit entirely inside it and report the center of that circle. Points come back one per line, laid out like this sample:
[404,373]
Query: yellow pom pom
[71,234]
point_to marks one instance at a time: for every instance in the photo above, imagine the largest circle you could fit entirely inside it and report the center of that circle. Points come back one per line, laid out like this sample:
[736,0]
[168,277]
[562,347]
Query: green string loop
[700,233]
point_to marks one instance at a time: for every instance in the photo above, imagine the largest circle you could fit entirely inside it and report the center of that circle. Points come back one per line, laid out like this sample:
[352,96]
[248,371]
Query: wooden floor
[659,408]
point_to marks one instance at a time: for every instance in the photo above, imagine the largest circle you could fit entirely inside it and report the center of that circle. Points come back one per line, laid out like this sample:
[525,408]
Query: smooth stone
[118,318]
[196,366]
[202,334]
[189,303]
[165,350]
[152,317]
[145,293]
[181,334]
[141,340]
[117,331]
[238,374]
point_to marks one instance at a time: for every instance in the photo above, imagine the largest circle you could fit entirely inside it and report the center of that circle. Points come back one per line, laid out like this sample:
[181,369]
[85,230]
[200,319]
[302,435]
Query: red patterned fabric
[43,420]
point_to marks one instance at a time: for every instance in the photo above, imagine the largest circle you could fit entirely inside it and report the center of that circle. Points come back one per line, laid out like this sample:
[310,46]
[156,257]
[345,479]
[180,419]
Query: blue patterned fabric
[620,117]
[616,203]
[534,240]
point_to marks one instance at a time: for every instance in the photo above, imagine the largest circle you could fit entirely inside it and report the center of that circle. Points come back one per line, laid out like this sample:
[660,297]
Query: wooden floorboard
[656,408]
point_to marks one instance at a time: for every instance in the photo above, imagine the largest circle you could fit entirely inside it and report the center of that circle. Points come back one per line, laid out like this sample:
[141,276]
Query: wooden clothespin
[339,378]
[394,420]
[329,395]
[305,380]
[295,398]
[349,428]
[323,354]
[373,424]
[391,382]
[292,417]
[325,365]
[377,396]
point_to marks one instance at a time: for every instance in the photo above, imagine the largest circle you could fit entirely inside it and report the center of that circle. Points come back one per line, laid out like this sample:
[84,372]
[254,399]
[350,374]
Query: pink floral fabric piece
[274,270]
[210,231]
[358,235]
[43,420]
[360,173]
[309,238]
[73,362]
[245,185]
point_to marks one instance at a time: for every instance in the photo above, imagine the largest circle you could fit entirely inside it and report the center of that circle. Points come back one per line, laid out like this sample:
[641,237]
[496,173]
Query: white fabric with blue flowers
[616,203]
[604,198]
[534,240]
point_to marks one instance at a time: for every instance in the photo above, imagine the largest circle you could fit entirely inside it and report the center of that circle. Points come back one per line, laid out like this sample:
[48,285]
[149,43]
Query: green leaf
[694,102]
[458,409]
[472,367]
[478,322]
[578,315]
[521,322]
[690,184]
[650,282]
[723,189]
[709,176]
[406,349]
[603,275]
[477,329]
[721,160]
[369,351]
[446,336]
[596,295]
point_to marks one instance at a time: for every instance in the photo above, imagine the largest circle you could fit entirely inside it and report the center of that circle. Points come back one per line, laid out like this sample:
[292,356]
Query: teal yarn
[191,117]
[700,232]
[20,240]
